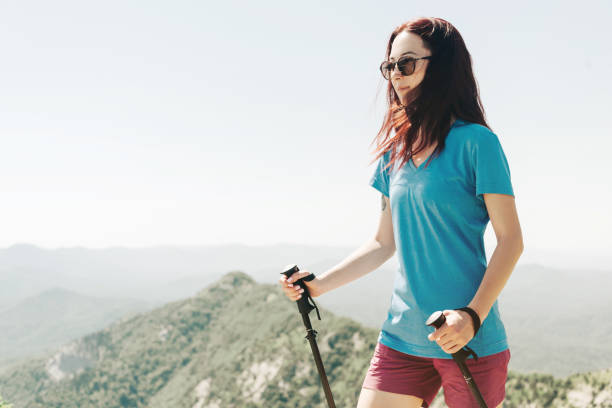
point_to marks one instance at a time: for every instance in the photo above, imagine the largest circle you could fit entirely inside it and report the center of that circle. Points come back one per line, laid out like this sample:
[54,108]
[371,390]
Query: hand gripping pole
[305,308]
[437,319]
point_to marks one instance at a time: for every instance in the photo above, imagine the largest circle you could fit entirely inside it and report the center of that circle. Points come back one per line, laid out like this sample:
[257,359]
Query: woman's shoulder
[469,133]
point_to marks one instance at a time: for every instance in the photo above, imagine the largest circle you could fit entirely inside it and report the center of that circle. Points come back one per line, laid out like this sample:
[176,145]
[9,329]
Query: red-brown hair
[448,88]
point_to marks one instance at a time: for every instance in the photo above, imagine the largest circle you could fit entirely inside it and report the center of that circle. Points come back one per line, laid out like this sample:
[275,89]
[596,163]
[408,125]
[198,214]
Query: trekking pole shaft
[437,319]
[467,376]
[312,339]
[305,308]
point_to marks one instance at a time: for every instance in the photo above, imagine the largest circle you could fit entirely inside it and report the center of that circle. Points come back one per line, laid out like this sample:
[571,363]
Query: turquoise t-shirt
[439,219]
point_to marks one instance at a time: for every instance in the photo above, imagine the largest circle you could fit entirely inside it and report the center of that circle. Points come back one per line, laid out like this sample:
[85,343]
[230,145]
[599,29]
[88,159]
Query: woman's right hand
[294,292]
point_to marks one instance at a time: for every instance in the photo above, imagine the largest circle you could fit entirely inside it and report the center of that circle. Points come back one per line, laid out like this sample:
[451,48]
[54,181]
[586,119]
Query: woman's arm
[366,258]
[504,219]
[459,329]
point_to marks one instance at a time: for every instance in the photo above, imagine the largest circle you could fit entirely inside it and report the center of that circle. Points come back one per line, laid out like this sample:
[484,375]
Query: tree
[4,404]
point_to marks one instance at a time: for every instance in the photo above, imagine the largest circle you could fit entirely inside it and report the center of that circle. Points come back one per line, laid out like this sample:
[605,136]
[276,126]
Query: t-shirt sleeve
[492,173]
[380,178]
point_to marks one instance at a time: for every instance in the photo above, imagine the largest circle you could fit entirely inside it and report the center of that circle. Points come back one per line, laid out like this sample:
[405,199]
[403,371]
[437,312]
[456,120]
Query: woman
[443,176]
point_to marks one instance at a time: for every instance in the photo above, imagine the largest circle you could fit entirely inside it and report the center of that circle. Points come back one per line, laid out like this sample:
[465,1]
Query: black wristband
[310,277]
[475,317]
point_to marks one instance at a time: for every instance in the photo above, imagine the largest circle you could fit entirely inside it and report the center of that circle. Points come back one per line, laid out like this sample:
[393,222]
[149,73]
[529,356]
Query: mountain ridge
[237,343]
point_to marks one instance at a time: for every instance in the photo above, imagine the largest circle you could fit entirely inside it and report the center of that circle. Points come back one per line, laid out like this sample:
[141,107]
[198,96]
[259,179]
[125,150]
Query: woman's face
[411,45]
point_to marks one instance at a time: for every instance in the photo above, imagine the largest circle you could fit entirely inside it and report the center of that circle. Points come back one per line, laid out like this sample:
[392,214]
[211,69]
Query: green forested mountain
[54,317]
[3,404]
[236,343]
[549,313]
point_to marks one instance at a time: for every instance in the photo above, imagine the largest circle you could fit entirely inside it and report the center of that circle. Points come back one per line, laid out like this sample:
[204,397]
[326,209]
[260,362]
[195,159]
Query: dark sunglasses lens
[406,66]
[385,68]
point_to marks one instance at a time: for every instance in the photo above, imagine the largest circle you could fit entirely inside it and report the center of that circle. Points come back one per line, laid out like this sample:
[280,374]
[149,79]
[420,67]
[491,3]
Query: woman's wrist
[482,314]
[310,282]
[315,287]
[474,316]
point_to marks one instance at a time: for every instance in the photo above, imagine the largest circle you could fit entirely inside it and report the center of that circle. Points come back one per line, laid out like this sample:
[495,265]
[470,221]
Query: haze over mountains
[57,316]
[159,273]
[206,352]
[552,316]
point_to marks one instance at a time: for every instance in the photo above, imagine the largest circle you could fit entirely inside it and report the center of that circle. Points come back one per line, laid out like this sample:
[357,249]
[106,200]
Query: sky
[141,123]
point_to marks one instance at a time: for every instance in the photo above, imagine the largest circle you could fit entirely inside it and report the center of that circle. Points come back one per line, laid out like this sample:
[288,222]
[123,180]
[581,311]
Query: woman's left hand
[455,333]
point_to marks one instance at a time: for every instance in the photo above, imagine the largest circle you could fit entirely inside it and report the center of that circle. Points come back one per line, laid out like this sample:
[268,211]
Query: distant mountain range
[57,316]
[236,343]
[162,273]
[552,316]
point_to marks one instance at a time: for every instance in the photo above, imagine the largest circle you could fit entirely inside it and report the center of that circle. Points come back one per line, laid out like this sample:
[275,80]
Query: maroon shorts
[393,371]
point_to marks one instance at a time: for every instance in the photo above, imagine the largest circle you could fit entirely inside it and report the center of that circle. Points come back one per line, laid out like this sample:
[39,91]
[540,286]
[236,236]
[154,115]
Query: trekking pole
[304,307]
[437,319]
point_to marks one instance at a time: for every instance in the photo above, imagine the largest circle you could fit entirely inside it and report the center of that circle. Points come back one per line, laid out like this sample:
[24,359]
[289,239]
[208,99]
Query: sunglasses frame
[396,63]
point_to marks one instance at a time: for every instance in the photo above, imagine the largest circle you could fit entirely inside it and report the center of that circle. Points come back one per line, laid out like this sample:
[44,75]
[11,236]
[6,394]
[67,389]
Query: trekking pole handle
[436,319]
[303,306]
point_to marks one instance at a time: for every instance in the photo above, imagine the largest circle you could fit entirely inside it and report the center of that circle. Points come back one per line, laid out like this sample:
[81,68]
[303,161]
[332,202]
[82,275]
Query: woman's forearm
[498,271]
[364,260]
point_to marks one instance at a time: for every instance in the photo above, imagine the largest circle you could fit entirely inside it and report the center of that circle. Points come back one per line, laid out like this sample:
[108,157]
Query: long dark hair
[448,89]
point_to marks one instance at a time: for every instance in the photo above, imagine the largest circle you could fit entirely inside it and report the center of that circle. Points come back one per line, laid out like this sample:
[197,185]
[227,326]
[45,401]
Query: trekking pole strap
[464,353]
[306,303]
[308,278]
[314,305]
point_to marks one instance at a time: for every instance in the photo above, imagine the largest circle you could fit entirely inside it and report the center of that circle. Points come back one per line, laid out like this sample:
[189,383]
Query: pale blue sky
[140,123]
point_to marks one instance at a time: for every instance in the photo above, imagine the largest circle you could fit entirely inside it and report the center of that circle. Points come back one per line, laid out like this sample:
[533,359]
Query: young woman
[443,175]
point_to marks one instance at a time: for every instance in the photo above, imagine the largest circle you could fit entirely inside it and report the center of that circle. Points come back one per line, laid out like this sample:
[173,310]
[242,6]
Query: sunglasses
[405,65]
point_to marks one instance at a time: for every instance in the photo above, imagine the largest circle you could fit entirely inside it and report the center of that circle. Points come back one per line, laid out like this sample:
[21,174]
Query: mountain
[160,273]
[4,404]
[236,343]
[548,312]
[54,317]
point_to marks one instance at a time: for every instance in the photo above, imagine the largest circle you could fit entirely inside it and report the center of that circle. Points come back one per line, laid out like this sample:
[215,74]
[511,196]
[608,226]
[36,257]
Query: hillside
[54,317]
[548,312]
[235,344]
